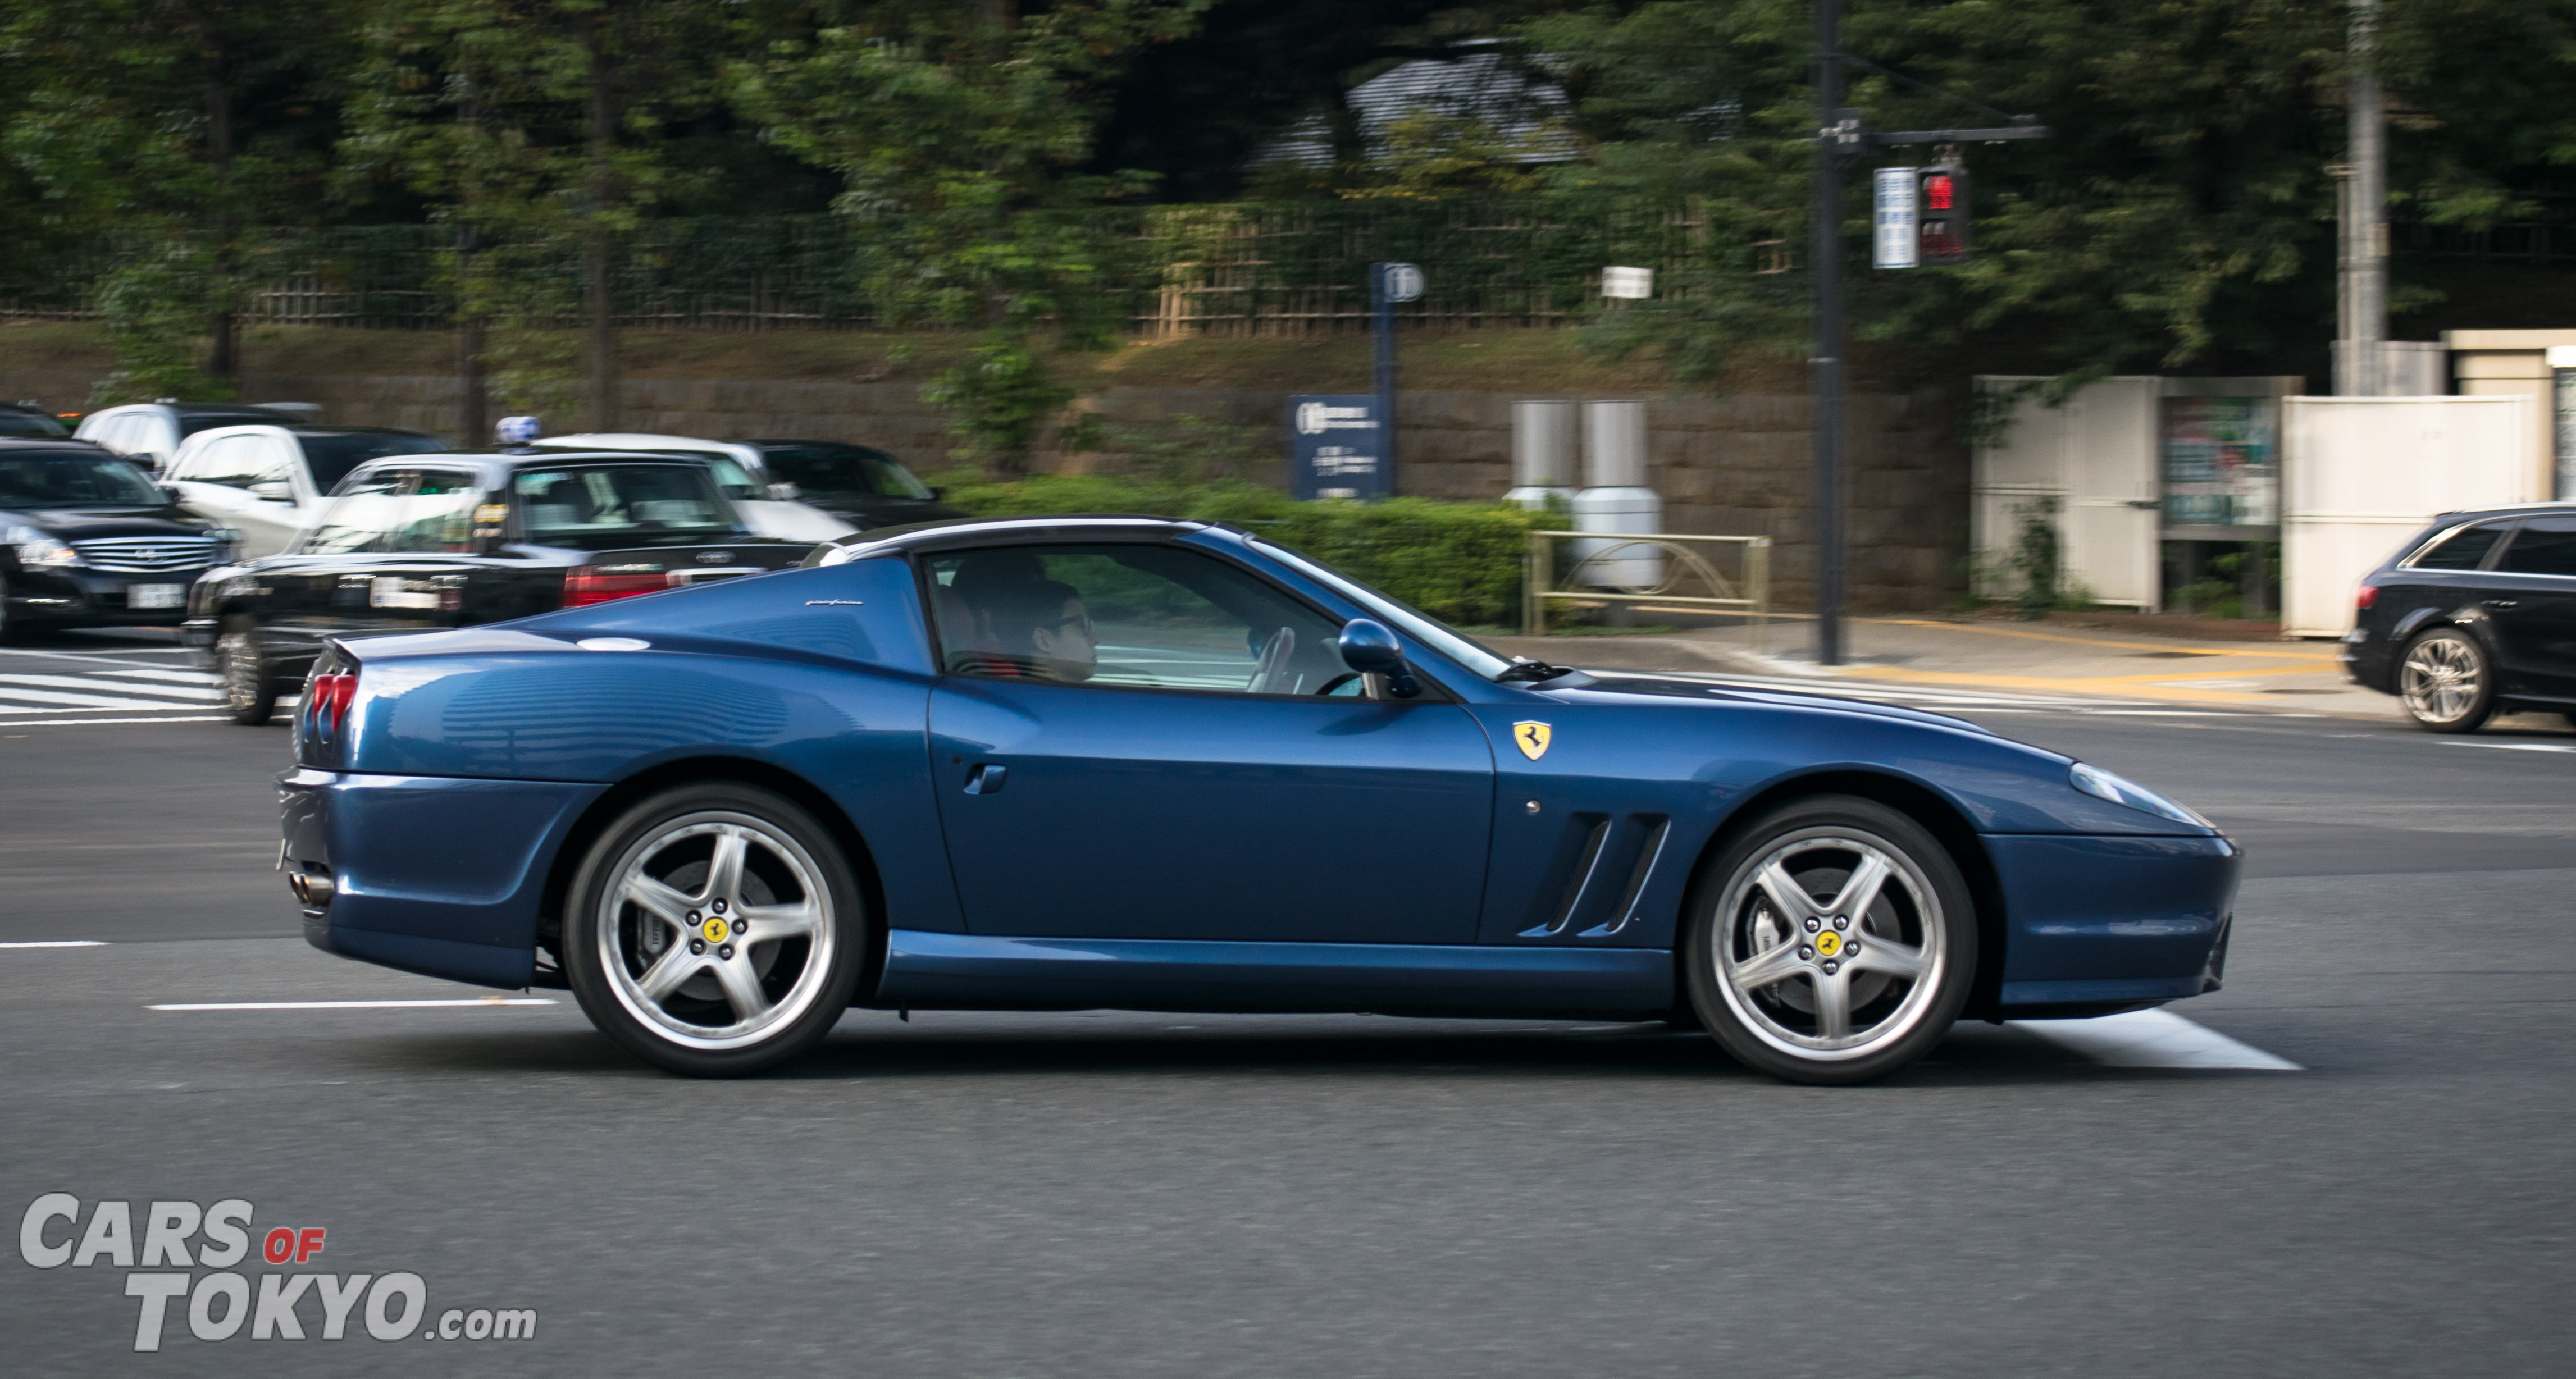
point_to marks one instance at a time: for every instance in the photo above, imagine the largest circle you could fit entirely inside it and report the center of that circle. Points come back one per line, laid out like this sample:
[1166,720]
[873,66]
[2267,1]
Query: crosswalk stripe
[80,701]
[90,722]
[184,677]
[198,693]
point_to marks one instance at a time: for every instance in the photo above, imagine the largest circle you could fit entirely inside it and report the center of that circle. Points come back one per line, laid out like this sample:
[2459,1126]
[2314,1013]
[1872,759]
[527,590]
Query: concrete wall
[1736,465]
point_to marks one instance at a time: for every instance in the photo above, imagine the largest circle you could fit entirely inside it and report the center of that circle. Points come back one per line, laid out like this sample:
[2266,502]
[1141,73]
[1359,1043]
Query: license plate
[156,596]
[390,591]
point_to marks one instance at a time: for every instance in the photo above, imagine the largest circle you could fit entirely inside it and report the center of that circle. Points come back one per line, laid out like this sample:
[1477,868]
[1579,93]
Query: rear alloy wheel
[715,930]
[250,692]
[1832,942]
[2445,682]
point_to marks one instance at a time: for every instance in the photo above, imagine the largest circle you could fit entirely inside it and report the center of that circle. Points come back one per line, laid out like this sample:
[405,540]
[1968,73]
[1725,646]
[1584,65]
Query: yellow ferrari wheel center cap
[1828,943]
[716,931]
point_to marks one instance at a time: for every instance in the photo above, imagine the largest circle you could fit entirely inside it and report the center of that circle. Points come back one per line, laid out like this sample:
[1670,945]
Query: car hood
[1679,692]
[83,524]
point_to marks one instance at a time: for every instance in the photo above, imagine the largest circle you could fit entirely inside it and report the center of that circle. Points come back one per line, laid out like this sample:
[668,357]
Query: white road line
[59,943]
[361,1005]
[82,682]
[2516,746]
[2153,1039]
[90,722]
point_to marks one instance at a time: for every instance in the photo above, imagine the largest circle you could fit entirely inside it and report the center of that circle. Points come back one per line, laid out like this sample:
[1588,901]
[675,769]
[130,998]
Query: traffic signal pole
[1826,256]
[1839,135]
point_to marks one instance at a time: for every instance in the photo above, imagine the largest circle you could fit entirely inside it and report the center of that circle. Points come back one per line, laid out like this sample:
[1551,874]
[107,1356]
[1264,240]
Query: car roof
[317,429]
[926,537]
[20,445]
[2541,508]
[497,468]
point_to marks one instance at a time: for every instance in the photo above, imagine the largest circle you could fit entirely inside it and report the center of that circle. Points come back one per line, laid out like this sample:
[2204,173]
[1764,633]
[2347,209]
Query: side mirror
[938,493]
[1368,647]
[273,491]
[785,493]
[169,492]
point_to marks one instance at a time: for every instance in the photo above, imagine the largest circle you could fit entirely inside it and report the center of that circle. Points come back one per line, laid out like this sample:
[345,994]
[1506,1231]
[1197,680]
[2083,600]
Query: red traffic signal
[1944,200]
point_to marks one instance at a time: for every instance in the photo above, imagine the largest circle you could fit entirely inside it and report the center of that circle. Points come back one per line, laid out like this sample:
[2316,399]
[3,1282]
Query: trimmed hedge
[1459,562]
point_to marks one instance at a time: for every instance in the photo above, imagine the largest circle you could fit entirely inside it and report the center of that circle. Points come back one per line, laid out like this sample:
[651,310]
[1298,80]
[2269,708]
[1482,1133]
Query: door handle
[2503,603]
[985,778]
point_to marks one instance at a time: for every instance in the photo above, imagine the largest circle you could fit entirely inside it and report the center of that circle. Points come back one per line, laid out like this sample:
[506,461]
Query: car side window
[1129,616]
[2544,546]
[2465,549]
[357,520]
[432,512]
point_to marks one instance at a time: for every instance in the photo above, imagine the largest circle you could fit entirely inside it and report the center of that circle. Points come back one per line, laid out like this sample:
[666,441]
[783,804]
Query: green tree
[180,127]
[530,126]
[960,134]
[2181,214]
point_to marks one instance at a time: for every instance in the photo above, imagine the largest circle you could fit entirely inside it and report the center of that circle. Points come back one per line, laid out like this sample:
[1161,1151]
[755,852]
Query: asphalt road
[1116,1194]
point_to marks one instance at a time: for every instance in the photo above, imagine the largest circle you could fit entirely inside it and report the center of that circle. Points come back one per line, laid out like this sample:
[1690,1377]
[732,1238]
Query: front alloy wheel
[1832,942]
[2445,682]
[714,930]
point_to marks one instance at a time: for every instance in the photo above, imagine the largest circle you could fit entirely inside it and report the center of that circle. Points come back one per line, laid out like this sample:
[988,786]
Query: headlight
[226,542]
[37,549]
[2101,784]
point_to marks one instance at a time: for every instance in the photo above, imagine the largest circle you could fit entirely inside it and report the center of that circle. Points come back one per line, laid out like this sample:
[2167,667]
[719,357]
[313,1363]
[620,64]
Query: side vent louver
[1606,864]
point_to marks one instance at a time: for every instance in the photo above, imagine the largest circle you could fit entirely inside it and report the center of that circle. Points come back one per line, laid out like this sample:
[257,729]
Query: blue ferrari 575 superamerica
[1069,763]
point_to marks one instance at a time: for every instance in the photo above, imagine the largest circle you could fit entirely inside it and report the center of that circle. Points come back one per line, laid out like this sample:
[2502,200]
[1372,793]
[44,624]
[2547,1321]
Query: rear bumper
[2367,661]
[429,874]
[2104,920]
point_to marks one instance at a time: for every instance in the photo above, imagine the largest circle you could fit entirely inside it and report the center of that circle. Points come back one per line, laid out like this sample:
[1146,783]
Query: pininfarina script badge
[1531,738]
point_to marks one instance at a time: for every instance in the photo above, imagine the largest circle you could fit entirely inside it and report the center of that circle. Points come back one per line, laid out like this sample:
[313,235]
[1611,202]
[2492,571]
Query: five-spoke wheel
[714,930]
[2445,683]
[1831,941]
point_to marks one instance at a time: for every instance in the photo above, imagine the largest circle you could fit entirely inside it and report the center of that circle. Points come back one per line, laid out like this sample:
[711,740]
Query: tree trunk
[223,345]
[599,244]
[473,393]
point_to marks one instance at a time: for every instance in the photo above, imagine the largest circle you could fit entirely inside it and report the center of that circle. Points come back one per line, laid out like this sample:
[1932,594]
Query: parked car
[865,487]
[88,540]
[1065,763]
[270,482]
[27,421]
[410,543]
[2473,616]
[768,504]
[151,431]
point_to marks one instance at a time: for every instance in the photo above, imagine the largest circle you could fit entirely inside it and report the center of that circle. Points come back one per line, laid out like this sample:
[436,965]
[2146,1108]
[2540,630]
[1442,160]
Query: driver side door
[1212,773]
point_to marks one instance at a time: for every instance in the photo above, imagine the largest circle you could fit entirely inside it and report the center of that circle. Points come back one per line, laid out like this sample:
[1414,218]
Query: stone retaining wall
[1725,465]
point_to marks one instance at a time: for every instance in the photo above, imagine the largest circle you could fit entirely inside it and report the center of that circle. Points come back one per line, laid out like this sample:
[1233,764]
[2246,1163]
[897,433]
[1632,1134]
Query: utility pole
[1825,253]
[2362,264]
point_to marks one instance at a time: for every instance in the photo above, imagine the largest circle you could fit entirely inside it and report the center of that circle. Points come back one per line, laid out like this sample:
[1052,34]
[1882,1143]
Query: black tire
[250,690]
[2446,682]
[1767,983]
[13,630]
[679,995]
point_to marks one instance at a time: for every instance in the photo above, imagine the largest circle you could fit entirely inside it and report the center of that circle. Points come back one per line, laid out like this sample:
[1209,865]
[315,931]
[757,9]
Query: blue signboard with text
[1336,447]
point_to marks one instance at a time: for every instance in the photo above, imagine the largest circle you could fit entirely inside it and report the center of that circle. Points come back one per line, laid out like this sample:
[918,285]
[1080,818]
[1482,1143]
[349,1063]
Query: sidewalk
[2047,658]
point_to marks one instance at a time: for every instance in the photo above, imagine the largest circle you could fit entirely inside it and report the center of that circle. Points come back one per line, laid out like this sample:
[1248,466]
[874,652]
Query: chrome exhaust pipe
[311,888]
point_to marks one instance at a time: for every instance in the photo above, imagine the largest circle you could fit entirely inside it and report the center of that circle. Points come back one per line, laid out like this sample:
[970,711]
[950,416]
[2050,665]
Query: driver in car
[1044,630]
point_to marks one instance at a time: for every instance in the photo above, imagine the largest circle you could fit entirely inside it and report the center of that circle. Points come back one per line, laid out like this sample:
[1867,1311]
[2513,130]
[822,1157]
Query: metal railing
[1749,593]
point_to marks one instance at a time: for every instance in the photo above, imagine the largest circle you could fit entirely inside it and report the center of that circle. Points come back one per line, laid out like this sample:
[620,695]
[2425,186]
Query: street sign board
[1403,282]
[1336,447]
[1894,239]
[1628,282]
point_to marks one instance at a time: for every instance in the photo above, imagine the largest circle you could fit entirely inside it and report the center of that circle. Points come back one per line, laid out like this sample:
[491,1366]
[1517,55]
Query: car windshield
[844,469]
[193,422]
[75,481]
[597,507]
[1422,627]
[332,454]
[35,425]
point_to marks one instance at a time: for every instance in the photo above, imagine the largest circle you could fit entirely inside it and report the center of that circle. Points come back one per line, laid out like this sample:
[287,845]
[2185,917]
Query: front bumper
[437,875]
[75,596]
[2101,921]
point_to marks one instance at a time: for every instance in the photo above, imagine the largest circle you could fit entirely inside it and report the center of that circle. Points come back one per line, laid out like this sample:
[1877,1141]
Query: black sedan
[863,487]
[88,540]
[2475,616]
[419,542]
[27,421]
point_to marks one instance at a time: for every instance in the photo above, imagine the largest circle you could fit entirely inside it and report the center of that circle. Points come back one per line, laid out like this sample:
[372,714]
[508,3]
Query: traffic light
[1944,212]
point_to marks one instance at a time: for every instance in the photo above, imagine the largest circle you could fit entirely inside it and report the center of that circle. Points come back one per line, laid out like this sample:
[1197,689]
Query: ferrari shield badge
[1531,738]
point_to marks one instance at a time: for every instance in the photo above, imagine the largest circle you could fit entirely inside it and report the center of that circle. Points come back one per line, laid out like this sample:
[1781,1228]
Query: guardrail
[1749,593]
